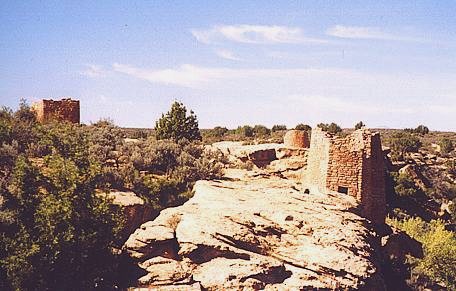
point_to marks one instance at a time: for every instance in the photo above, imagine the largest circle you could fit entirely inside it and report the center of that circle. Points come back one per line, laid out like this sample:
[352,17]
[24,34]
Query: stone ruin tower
[296,138]
[65,109]
[353,165]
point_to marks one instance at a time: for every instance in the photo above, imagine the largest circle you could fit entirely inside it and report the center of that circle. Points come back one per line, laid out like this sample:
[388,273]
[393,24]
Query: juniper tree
[176,124]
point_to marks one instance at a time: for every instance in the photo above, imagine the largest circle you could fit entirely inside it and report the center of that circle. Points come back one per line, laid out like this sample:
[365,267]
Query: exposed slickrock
[277,158]
[255,231]
[260,154]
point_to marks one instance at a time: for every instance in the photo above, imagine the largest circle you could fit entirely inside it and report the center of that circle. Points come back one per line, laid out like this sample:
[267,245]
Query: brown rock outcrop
[296,138]
[135,210]
[272,156]
[260,155]
[398,244]
[256,232]
[414,172]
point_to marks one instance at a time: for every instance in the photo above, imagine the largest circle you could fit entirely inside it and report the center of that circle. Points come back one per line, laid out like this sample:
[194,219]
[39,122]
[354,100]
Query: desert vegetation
[57,233]
[439,245]
[422,196]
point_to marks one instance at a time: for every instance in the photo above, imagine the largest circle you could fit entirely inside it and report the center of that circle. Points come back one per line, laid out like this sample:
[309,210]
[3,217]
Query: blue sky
[388,63]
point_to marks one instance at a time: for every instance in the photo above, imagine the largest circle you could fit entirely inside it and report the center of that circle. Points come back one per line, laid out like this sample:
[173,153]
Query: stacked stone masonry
[47,110]
[296,138]
[352,165]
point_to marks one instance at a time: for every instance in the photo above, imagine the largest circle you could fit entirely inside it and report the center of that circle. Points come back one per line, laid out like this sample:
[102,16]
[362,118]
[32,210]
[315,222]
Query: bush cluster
[331,128]
[402,143]
[304,127]
[446,146]
[404,185]
[420,129]
[439,245]
[150,163]
[359,125]
[57,233]
[278,127]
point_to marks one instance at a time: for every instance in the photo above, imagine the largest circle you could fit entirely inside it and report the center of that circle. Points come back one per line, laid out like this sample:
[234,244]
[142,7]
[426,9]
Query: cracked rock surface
[256,231]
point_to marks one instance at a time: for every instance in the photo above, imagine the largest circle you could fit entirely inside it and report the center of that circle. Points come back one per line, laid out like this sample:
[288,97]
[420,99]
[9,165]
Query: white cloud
[319,93]
[226,54]
[203,36]
[198,77]
[312,81]
[253,34]
[186,75]
[364,32]
[94,71]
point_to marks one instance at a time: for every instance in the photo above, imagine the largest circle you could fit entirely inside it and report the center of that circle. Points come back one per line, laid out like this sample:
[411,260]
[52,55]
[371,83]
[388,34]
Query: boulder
[135,210]
[398,244]
[414,172]
[259,154]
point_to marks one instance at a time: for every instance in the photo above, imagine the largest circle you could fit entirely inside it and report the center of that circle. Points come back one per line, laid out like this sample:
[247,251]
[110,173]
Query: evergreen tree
[331,128]
[303,126]
[359,125]
[177,125]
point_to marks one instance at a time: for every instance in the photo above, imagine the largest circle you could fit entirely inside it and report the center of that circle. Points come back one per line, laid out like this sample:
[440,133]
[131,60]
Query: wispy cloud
[313,81]
[226,54]
[335,90]
[196,76]
[364,32]
[253,34]
[94,71]
[186,75]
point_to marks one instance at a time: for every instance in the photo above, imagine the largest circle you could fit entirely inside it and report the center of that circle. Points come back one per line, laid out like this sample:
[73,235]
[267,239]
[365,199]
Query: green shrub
[218,131]
[261,131]
[160,192]
[25,113]
[446,146]
[278,128]
[451,167]
[359,125]
[60,228]
[245,131]
[331,128]
[439,245]
[405,186]
[177,125]
[452,209]
[56,232]
[420,129]
[304,127]
[402,143]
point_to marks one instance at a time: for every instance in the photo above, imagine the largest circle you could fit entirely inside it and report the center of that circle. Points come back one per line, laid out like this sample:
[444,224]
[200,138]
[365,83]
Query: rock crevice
[256,232]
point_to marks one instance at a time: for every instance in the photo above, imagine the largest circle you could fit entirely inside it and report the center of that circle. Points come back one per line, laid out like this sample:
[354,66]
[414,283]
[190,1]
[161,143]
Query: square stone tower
[66,109]
[352,165]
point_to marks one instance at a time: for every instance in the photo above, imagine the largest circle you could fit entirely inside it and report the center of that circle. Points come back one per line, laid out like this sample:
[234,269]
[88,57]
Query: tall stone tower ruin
[352,165]
[57,110]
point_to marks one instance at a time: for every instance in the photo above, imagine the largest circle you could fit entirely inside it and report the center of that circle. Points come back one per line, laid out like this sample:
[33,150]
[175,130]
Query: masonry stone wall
[317,160]
[57,110]
[296,138]
[352,165]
